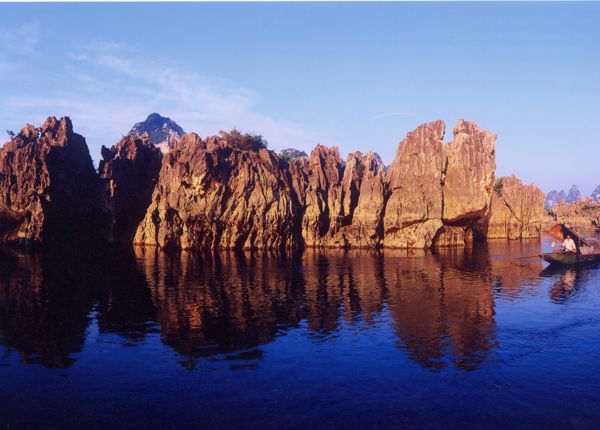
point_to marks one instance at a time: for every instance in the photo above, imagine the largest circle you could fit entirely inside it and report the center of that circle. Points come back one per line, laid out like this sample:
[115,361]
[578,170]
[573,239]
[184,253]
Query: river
[468,338]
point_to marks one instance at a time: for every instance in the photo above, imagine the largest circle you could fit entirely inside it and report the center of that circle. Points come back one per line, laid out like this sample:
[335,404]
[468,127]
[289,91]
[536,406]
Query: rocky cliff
[47,186]
[516,210]
[128,175]
[211,195]
[230,192]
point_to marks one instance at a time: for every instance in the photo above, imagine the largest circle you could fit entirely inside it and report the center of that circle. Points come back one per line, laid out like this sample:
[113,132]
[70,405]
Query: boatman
[569,245]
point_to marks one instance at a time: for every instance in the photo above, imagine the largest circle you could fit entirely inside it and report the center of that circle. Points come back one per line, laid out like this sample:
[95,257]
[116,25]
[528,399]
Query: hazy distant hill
[596,194]
[161,131]
[554,197]
[294,153]
[573,195]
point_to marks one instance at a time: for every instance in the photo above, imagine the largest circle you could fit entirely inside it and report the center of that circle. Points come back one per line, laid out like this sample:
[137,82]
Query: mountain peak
[161,131]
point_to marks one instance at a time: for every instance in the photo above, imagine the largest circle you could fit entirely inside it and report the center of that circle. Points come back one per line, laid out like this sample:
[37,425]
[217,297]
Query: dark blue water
[473,338]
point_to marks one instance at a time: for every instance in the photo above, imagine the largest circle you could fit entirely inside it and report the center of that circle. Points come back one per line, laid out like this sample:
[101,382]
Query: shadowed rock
[47,186]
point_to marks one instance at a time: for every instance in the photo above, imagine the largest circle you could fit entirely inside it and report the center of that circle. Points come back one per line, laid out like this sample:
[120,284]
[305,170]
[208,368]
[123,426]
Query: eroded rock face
[517,212]
[413,213]
[128,175]
[210,195]
[469,173]
[47,186]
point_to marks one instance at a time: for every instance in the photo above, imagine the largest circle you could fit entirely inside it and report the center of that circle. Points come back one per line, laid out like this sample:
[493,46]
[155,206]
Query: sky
[356,75]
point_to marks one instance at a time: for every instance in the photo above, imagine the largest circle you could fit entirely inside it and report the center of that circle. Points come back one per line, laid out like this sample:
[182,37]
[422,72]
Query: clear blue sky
[357,75]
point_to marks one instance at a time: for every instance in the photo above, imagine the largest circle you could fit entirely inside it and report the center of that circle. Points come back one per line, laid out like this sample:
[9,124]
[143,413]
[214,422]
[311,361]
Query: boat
[588,249]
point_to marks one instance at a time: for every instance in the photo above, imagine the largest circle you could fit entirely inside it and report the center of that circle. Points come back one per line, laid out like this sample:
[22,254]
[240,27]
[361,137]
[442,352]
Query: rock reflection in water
[44,307]
[443,307]
[211,304]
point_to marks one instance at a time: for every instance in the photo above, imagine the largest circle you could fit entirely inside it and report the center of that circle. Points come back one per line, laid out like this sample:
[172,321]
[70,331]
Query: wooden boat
[588,249]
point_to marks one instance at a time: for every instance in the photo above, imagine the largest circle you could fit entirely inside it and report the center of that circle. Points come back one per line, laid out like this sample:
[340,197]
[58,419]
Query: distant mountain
[573,195]
[596,194]
[554,197]
[161,131]
[294,153]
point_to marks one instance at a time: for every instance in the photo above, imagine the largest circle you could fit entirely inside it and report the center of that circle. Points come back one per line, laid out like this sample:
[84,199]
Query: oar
[523,258]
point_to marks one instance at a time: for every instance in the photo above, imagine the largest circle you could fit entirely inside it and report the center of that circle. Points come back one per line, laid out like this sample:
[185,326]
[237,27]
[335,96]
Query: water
[473,338]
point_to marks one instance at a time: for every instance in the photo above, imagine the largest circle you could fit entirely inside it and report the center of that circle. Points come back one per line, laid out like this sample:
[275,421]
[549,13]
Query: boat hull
[569,259]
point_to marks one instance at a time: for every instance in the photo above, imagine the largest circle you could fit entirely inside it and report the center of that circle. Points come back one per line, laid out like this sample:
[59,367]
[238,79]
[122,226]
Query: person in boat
[569,245]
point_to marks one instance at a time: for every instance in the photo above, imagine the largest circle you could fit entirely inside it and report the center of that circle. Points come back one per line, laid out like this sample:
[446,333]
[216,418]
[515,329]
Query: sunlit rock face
[324,196]
[128,175]
[347,211]
[516,210]
[210,195]
[469,173]
[413,213]
[47,186]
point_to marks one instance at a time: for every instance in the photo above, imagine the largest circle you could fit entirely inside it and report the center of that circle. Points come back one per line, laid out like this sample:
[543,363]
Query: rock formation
[413,214]
[516,210]
[128,173]
[161,131]
[581,213]
[554,197]
[230,192]
[47,186]
[211,195]
[437,191]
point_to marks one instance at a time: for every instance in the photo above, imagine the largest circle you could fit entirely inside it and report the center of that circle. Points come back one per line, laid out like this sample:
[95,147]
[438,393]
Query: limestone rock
[323,201]
[517,212]
[47,186]
[581,213]
[210,195]
[413,213]
[469,173]
[128,174]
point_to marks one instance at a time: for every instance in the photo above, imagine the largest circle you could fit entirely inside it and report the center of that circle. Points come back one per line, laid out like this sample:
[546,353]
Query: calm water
[473,338]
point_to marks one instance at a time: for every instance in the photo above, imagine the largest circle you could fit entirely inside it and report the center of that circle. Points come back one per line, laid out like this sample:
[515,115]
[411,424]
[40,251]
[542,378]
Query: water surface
[471,338]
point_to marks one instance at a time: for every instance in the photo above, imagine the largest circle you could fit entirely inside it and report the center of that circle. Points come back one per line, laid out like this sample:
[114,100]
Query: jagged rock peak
[573,195]
[553,197]
[162,132]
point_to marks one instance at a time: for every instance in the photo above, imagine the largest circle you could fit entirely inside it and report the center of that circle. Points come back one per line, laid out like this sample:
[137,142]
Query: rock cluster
[230,192]
[584,212]
[516,210]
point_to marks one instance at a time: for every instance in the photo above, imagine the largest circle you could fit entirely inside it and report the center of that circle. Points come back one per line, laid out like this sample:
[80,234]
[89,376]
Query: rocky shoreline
[221,193]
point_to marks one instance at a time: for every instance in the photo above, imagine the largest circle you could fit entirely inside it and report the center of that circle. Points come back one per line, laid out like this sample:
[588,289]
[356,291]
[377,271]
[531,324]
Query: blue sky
[358,75]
